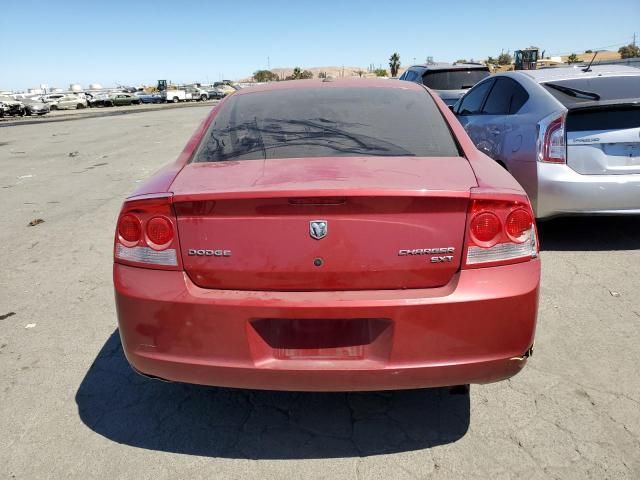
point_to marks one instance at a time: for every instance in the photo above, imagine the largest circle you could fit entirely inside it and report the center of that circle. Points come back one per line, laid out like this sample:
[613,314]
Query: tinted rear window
[327,122]
[453,79]
[608,88]
[612,118]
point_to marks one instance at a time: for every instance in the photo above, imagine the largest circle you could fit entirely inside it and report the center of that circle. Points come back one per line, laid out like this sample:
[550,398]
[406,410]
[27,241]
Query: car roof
[570,73]
[451,66]
[330,83]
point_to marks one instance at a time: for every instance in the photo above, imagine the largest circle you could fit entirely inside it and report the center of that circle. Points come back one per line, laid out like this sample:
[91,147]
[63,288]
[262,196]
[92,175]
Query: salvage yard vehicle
[65,101]
[197,93]
[11,106]
[306,239]
[570,136]
[121,99]
[97,99]
[35,106]
[149,97]
[216,94]
[450,81]
[176,95]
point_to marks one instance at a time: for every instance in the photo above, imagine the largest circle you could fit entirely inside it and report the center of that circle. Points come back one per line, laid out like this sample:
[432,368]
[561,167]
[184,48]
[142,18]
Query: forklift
[527,59]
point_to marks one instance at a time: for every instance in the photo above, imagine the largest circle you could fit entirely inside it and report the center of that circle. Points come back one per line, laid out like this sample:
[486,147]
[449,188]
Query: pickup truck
[186,94]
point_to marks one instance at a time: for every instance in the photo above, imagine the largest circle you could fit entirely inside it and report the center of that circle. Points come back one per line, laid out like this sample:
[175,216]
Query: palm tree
[394,64]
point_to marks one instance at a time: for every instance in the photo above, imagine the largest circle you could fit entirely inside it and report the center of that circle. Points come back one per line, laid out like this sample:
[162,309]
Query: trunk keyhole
[318,262]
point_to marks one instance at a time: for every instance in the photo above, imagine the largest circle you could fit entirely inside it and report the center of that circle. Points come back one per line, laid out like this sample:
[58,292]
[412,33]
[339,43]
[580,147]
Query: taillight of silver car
[146,235]
[500,231]
[551,144]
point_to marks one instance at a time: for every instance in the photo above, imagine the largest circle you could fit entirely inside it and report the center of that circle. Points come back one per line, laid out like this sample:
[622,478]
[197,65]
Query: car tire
[53,107]
[176,99]
[79,106]
[27,112]
[204,98]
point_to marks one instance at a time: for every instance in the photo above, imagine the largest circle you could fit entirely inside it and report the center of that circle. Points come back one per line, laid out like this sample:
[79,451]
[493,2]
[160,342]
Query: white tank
[95,86]
[75,87]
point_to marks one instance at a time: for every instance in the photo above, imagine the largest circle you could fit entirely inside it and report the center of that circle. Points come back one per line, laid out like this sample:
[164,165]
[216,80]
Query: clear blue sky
[131,42]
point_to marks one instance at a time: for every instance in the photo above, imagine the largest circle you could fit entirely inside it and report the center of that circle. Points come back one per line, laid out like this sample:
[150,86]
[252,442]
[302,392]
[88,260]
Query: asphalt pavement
[70,407]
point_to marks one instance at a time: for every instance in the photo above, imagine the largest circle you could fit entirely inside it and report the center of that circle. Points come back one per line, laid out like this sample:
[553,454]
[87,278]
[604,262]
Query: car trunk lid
[604,139]
[348,223]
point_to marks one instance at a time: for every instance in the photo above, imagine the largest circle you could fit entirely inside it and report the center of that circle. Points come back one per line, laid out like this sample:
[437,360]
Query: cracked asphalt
[70,407]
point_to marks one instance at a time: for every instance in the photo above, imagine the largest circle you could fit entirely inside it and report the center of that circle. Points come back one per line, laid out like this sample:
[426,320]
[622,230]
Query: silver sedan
[570,136]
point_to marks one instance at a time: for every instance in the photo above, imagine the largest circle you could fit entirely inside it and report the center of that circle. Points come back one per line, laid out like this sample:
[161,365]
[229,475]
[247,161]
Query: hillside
[332,71]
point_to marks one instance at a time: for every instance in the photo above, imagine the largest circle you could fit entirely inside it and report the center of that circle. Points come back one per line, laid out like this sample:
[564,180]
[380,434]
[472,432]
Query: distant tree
[299,74]
[629,51]
[296,74]
[394,64]
[491,61]
[505,59]
[264,76]
[322,75]
[588,51]
[360,73]
[573,58]
[464,60]
[381,72]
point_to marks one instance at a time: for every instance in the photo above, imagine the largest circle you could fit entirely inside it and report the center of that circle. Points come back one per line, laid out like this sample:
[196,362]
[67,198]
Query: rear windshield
[582,90]
[327,122]
[453,79]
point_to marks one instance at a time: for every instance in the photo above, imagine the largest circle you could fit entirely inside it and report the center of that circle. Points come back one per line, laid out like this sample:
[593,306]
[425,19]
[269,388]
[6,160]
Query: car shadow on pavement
[221,422]
[590,233]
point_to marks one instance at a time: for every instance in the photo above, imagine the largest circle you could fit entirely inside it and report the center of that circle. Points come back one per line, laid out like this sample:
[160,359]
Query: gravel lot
[70,407]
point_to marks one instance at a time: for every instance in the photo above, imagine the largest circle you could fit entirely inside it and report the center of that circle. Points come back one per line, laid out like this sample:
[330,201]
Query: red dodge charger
[328,235]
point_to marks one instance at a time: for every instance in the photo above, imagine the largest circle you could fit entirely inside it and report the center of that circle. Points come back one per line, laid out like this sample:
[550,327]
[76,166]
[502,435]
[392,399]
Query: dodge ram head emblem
[318,229]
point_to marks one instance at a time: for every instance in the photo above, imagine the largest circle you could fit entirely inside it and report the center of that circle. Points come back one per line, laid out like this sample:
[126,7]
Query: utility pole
[268,63]
[634,39]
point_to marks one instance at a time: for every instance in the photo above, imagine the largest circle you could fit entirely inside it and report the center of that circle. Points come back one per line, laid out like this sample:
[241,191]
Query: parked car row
[42,104]
[112,99]
[10,106]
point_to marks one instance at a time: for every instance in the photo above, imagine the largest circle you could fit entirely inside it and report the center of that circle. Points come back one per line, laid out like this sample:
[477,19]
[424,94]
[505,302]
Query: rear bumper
[476,329]
[563,191]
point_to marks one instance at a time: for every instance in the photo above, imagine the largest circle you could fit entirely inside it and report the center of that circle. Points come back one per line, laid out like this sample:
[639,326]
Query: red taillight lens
[518,225]
[501,231]
[129,228]
[485,228]
[159,231]
[146,234]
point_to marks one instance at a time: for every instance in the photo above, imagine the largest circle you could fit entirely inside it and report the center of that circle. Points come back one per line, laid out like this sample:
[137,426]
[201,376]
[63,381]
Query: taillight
[129,229]
[551,146]
[159,232]
[500,231]
[485,229]
[146,234]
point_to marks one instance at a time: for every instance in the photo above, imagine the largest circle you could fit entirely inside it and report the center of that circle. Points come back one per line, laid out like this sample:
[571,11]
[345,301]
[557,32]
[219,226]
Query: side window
[410,75]
[506,97]
[519,98]
[472,101]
